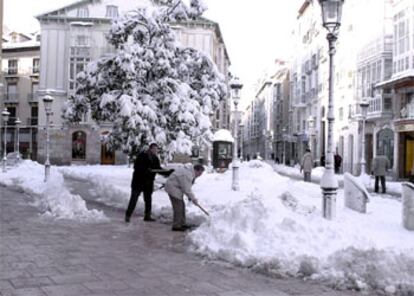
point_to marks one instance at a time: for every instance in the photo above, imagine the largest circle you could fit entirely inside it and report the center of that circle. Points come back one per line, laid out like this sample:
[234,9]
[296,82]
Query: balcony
[32,98]
[11,98]
[380,107]
[10,72]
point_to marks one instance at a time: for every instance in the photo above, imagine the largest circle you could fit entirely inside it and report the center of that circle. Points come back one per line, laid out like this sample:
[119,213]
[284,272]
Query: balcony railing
[379,107]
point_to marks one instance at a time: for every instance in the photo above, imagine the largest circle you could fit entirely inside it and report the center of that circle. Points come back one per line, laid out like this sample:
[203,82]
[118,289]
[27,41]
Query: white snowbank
[274,225]
[53,198]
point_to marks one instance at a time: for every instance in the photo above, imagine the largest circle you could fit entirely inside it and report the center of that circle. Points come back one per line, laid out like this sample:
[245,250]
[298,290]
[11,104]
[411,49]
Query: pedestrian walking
[179,183]
[322,160]
[337,162]
[143,181]
[307,165]
[380,166]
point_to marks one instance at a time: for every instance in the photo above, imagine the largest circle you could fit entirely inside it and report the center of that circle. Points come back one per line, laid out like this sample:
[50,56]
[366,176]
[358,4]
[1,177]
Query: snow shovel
[201,208]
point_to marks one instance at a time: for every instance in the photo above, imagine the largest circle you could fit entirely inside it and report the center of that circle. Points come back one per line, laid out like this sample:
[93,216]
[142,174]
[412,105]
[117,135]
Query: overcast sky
[255,32]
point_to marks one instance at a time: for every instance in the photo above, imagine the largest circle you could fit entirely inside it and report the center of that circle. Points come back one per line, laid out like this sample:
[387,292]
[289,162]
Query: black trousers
[135,192]
[377,179]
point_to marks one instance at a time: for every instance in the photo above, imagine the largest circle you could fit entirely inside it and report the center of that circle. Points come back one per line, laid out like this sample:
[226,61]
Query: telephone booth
[222,149]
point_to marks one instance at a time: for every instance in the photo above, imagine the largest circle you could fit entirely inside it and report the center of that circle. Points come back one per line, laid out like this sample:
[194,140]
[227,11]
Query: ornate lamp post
[241,141]
[18,122]
[284,145]
[235,86]
[364,104]
[47,101]
[311,123]
[331,18]
[5,114]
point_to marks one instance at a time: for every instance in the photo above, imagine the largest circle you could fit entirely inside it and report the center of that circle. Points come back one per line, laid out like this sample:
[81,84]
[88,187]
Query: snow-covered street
[272,225]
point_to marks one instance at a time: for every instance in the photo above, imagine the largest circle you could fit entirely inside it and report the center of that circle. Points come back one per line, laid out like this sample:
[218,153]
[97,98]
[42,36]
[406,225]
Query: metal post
[5,147]
[241,141]
[5,115]
[235,161]
[47,162]
[363,162]
[364,106]
[18,122]
[329,182]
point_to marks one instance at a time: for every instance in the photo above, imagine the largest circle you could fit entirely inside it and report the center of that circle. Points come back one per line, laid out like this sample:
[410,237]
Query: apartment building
[20,80]
[308,83]
[266,115]
[74,35]
[401,87]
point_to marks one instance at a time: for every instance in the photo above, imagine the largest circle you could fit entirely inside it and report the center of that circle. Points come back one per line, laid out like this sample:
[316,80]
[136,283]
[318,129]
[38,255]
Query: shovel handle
[201,208]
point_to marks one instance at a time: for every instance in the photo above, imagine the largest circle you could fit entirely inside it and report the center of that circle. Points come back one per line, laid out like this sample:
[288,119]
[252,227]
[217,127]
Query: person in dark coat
[143,181]
[337,162]
[322,160]
[380,166]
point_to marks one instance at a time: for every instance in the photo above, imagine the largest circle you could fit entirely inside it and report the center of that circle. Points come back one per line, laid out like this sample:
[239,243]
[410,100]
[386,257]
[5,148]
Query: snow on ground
[274,225]
[52,197]
[392,187]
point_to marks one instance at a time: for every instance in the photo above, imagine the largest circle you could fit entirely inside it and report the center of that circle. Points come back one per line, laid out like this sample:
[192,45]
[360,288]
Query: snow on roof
[25,44]
[223,135]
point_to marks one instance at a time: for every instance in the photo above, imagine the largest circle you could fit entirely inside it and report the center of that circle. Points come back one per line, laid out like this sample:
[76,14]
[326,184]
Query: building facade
[72,37]
[20,80]
[401,87]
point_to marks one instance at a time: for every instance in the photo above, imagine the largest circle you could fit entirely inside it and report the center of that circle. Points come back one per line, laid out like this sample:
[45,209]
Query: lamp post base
[47,172]
[329,203]
[4,162]
[235,184]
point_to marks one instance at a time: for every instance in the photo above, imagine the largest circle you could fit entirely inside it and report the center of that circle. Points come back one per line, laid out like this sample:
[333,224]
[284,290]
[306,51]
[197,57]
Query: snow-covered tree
[152,89]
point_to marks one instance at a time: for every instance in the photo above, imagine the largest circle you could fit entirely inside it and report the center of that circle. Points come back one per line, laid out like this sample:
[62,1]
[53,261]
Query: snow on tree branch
[152,88]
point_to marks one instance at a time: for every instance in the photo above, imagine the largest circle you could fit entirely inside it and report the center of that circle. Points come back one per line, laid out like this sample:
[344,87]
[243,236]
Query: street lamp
[284,145]
[241,140]
[5,115]
[17,122]
[47,101]
[235,87]
[331,18]
[311,123]
[364,104]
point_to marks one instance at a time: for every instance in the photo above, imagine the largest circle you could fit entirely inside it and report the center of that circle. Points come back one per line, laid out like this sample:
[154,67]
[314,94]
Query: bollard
[355,194]
[408,205]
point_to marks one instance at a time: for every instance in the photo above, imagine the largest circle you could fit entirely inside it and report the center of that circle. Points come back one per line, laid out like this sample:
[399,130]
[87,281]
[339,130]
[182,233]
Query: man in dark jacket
[143,181]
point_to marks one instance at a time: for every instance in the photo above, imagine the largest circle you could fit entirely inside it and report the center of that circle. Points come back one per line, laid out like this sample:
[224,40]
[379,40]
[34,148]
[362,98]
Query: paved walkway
[42,256]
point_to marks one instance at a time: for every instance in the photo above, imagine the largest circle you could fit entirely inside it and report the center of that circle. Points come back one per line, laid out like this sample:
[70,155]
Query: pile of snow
[53,198]
[274,225]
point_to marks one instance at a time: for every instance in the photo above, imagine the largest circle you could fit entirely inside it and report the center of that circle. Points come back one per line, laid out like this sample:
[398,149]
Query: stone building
[401,87]
[20,80]
[74,35]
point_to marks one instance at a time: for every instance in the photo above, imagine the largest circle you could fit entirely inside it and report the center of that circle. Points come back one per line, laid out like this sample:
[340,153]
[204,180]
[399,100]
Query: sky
[255,32]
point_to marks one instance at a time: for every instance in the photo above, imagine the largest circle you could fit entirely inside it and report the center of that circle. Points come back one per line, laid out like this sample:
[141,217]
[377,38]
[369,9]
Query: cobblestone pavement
[42,256]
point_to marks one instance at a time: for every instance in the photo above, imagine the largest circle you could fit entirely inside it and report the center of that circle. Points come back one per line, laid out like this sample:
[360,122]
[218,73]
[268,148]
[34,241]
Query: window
[12,67]
[33,115]
[111,11]
[341,113]
[12,95]
[12,116]
[83,12]
[36,65]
